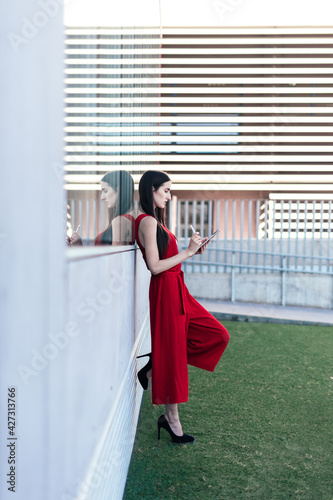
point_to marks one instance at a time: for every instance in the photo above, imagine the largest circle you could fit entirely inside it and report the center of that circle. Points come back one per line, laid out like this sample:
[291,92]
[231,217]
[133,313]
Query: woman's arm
[147,235]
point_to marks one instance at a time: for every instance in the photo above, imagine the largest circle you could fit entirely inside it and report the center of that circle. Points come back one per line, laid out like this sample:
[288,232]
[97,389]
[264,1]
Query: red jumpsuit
[182,331]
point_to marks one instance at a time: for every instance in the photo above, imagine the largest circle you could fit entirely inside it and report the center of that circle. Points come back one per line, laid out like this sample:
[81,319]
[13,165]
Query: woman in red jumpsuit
[182,331]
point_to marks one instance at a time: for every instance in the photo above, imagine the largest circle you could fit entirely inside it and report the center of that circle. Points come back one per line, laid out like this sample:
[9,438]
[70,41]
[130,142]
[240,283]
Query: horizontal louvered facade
[220,109]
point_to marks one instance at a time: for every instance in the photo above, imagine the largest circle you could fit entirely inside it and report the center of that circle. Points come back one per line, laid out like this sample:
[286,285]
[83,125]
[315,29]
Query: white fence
[256,235]
[260,235]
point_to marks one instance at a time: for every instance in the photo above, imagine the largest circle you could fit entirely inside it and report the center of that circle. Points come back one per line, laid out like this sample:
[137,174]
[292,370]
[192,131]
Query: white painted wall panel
[108,302]
[32,277]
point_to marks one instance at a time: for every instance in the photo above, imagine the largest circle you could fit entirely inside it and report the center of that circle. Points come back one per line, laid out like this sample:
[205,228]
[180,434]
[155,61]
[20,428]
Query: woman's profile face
[109,195]
[162,195]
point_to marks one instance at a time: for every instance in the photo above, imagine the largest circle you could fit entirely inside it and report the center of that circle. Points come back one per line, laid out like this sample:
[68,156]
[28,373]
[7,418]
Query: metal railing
[259,235]
[310,264]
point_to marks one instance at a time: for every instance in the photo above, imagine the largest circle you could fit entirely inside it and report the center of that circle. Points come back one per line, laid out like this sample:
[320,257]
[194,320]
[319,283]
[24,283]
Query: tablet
[211,236]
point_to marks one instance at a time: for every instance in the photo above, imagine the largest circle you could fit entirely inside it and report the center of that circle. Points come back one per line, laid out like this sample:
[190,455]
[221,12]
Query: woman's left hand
[74,240]
[203,248]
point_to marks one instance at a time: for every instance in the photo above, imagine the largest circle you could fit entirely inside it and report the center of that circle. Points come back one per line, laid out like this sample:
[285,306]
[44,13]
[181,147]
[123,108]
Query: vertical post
[313,232]
[185,263]
[178,219]
[225,233]
[88,219]
[186,223]
[194,224]
[321,233]
[305,232]
[217,253]
[281,227]
[265,234]
[249,235]
[233,224]
[233,284]
[297,232]
[289,232]
[170,207]
[103,216]
[273,202]
[73,215]
[80,218]
[202,218]
[241,234]
[283,282]
[257,233]
[210,225]
[94,216]
[329,234]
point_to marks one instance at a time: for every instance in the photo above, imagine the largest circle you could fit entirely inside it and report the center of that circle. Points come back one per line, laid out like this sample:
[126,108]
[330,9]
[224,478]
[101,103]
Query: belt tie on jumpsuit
[181,283]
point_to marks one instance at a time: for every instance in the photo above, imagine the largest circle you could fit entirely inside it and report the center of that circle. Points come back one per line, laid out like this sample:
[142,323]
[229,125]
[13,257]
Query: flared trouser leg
[207,339]
[183,333]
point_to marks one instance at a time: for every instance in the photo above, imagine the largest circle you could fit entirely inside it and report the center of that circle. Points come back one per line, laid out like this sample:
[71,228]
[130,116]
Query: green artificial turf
[262,422]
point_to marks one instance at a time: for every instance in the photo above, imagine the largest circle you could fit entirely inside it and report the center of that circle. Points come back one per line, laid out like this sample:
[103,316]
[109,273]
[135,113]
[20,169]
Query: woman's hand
[203,248]
[194,244]
[74,240]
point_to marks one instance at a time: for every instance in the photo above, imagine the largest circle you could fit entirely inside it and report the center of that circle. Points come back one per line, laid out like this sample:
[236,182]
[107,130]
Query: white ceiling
[197,12]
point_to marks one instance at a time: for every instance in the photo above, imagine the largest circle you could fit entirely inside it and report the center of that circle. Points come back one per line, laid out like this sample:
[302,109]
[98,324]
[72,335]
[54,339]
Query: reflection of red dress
[182,331]
[98,239]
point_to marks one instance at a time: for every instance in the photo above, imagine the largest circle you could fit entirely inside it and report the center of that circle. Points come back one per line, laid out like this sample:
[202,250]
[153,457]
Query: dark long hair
[154,179]
[120,181]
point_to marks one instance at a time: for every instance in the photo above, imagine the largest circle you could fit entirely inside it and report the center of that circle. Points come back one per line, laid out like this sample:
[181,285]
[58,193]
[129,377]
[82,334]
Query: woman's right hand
[194,244]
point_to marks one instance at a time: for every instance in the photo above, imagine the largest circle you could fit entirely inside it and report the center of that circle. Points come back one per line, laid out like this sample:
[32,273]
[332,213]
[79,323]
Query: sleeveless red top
[98,239]
[171,250]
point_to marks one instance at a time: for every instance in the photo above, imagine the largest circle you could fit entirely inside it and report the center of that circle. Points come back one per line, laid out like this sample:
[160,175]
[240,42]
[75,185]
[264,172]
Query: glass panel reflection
[117,194]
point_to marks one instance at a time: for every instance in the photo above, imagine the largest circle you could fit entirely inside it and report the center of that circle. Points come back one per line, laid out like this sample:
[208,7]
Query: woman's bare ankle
[172,417]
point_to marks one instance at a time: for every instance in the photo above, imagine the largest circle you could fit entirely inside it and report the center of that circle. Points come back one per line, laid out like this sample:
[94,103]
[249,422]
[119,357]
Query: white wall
[31,239]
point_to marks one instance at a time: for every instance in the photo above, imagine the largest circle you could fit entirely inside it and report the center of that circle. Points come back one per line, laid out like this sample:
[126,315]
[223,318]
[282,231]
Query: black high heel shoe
[184,439]
[142,374]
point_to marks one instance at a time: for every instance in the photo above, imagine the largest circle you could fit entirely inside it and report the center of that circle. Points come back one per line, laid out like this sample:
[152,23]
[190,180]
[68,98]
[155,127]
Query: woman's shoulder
[146,219]
[122,218]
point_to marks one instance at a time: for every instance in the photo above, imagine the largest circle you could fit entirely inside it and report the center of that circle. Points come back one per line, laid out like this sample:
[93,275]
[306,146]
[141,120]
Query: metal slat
[232,139]
[223,41]
[113,87]
[193,129]
[160,51]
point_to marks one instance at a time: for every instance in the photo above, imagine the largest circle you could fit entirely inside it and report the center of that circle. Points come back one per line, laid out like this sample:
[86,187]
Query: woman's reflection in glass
[117,192]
